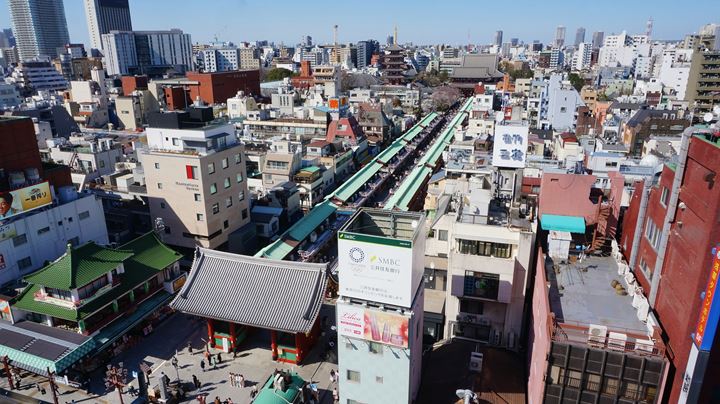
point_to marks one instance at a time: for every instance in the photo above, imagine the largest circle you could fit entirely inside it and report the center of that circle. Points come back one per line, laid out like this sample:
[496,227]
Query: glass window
[175,141]
[43,230]
[197,197]
[19,240]
[200,217]
[239,178]
[226,224]
[213,188]
[241,196]
[24,263]
[228,201]
[216,208]
[442,235]
[191,172]
[157,166]
[238,158]
[84,215]
[593,382]
[379,379]
[664,197]
[244,214]
[227,183]
[487,249]
[376,348]
[225,163]
[211,168]
[610,386]
[159,185]
[353,376]
[557,374]
[482,285]
[630,390]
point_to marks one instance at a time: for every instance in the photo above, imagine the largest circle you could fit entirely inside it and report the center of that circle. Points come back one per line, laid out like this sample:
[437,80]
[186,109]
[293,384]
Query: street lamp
[174,362]
[116,377]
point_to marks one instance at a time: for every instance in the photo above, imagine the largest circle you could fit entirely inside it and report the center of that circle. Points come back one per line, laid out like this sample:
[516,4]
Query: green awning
[572,224]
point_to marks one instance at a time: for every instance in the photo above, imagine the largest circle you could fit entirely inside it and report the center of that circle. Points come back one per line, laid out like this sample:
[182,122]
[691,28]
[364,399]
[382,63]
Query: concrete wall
[539,333]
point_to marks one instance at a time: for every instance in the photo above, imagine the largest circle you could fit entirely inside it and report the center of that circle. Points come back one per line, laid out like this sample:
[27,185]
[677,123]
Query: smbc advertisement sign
[373,268]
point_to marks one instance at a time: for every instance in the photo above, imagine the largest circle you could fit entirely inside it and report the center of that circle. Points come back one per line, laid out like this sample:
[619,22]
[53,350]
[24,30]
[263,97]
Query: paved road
[170,339]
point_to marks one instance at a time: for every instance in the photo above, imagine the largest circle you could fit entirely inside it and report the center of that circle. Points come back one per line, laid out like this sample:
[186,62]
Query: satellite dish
[499,117]
[708,117]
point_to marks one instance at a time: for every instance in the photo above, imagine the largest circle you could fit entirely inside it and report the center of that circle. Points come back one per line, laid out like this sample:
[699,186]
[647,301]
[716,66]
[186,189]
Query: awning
[572,224]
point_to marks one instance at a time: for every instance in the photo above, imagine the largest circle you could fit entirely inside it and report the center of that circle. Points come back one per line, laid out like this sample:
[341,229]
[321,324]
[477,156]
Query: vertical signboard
[510,146]
[375,268]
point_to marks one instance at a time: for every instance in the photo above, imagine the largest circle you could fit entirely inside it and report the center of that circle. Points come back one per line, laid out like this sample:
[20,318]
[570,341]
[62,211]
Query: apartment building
[195,176]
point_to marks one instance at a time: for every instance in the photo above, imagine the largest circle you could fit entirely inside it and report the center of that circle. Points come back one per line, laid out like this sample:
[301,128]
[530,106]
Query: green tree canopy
[277,73]
[576,81]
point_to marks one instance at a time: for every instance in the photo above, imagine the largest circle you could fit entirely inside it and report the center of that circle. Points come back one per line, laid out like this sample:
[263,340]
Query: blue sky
[420,21]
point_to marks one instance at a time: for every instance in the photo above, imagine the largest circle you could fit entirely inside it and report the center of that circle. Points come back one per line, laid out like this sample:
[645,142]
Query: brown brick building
[217,87]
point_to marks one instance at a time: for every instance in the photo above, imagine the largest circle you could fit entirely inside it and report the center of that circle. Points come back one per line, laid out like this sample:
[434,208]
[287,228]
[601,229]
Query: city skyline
[670,23]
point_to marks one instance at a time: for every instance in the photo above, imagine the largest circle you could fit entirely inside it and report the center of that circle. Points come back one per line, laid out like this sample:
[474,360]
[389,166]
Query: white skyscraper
[39,26]
[104,16]
[560,36]
[581,57]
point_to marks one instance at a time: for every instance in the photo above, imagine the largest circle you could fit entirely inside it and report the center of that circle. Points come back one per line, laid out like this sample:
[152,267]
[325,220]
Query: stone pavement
[170,339]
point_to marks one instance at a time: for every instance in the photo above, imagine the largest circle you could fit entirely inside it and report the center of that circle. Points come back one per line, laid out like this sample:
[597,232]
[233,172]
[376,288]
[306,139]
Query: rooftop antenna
[395,36]
[335,44]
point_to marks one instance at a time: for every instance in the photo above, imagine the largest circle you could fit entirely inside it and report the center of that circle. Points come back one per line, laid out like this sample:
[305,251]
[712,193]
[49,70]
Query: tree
[278,73]
[576,81]
[443,97]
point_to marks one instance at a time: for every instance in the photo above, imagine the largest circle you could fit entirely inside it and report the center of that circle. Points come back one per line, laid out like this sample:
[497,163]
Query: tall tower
[104,16]
[579,36]
[560,36]
[498,38]
[336,59]
[40,27]
[395,37]
[649,27]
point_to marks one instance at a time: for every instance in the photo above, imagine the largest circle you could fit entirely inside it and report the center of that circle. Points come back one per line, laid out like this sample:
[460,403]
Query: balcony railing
[617,339]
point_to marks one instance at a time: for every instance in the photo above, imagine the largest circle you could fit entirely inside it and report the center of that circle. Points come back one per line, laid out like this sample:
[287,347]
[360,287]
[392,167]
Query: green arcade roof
[79,266]
[572,224]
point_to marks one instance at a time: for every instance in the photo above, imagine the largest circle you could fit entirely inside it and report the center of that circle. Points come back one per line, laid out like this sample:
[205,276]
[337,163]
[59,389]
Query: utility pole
[53,386]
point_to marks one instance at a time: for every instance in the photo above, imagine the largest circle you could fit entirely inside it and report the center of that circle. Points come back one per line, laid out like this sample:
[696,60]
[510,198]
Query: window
[473,247]
[211,168]
[241,196]
[216,208]
[267,178]
[593,382]
[276,165]
[482,285]
[90,289]
[574,378]
[563,109]
[376,348]
[353,376]
[24,263]
[59,294]
[175,141]
[471,306]
[646,270]
[102,163]
[19,240]
[379,379]
[162,205]
[43,230]
[652,233]
[157,166]
[664,197]
[228,201]
[226,224]
[225,163]
[557,374]
[192,172]
[238,158]
[227,183]
[213,188]
[630,390]
[239,178]
[200,217]
[442,235]
[611,164]
[244,214]
[610,386]
[84,215]
[159,185]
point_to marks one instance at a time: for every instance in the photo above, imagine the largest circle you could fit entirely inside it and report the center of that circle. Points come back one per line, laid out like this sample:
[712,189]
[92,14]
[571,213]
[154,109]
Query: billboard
[373,325]
[7,232]
[710,309]
[510,146]
[378,269]
[22,200]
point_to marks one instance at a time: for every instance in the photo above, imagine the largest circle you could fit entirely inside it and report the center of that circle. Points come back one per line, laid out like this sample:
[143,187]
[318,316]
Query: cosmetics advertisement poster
[373,325]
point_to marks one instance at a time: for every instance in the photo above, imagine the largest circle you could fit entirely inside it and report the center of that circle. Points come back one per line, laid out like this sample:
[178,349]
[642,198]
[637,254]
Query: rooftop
[581,293]
[384,223]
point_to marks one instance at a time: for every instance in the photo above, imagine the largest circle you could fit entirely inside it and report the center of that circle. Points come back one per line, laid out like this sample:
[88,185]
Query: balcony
[615,339]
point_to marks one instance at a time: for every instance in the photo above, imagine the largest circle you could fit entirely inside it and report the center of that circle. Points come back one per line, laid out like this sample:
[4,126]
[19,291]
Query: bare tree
[443,97]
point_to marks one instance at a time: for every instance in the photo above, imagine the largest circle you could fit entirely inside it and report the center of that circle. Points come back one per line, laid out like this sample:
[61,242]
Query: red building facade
[683,277]
[217,87]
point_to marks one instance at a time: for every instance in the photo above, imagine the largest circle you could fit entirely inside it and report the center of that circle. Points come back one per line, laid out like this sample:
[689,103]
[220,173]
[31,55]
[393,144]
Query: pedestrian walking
[332,376]
[214,362]
[232,379]
[201,399]
[336,396]
[229,401]
[253,391]
[207,356]
[190,347]
[217,400]
[219,358]
[196,382]
[202,364]
[241,381]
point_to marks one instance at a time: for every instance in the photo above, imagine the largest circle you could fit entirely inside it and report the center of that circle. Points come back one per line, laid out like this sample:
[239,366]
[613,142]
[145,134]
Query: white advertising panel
[510,146]
[373,325]
[378,269]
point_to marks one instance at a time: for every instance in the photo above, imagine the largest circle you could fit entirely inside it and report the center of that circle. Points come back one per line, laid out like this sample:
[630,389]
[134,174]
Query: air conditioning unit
[476,362]
[644,345]
[597,334]
[617,341]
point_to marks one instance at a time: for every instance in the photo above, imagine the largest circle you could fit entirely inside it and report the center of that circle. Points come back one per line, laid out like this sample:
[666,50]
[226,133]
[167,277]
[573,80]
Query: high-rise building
[39,26]
[195,176]
[104,16]
[10,37]
[703,88]
[579,36]
[560,36]
[497,41]
[380,309]
[147,52]
[581,57]
[597,39]
[514,41]
[365,50]
[307,41]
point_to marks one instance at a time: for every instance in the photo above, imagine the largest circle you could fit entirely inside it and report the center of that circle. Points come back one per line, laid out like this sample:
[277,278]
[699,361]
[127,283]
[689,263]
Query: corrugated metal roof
[259,292]
[390,152]
[351,186]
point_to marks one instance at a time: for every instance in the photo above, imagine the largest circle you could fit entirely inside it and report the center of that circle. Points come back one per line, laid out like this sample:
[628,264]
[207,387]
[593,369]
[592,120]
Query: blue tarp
[572,224]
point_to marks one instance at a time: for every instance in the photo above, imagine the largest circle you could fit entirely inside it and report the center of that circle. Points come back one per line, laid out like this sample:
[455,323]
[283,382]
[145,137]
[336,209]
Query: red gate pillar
[273,344]
[233,347]
[211,333]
